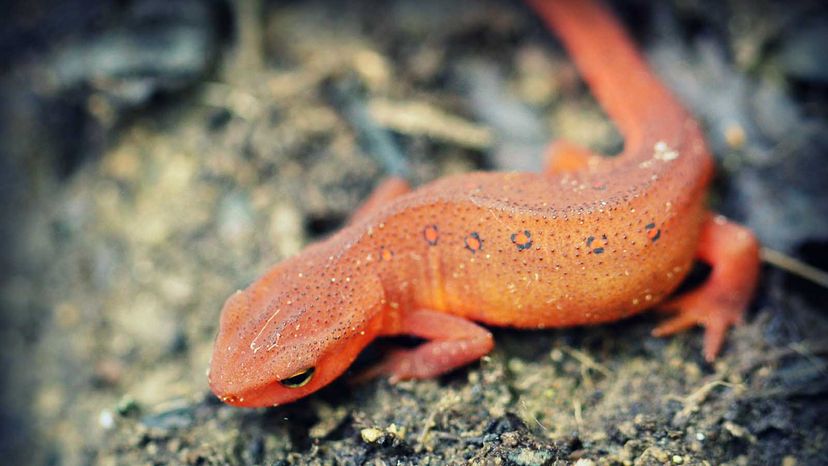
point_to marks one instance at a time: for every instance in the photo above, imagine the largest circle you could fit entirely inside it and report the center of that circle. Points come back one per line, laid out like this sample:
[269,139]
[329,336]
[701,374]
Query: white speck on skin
[663,152]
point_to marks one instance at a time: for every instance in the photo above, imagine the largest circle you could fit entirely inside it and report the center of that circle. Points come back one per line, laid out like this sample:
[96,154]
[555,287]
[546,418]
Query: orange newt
[590,240]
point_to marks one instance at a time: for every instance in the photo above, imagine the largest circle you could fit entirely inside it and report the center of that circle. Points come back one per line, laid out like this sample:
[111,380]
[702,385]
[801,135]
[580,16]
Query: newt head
[290,334]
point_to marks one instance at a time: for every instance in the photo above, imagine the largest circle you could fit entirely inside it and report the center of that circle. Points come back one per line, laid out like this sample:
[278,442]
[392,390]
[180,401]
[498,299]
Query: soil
[127,234]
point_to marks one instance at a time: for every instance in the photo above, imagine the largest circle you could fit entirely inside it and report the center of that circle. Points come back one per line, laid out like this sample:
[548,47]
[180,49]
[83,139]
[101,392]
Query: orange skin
[590,240]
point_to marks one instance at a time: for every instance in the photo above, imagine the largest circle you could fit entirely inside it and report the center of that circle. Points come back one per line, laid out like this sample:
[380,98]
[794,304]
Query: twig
[587,361]
[692,401]
[348,94]
[794,266]
[532,416]
[420,118]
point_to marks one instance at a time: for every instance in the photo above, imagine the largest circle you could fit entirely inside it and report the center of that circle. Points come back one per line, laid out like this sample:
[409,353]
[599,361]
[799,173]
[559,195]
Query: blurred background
[155,156]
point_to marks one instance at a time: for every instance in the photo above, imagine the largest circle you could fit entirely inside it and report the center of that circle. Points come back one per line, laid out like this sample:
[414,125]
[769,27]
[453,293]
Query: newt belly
[589,240]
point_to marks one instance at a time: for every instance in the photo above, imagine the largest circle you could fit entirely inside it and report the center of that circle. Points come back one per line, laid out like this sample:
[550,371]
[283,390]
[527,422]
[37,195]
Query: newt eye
[299,379]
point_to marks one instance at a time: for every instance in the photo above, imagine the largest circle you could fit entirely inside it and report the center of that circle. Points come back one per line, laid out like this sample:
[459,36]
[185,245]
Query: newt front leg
[452,342]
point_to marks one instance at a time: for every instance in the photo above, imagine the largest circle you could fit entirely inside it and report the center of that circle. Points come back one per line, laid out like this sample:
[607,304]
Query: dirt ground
[132,215]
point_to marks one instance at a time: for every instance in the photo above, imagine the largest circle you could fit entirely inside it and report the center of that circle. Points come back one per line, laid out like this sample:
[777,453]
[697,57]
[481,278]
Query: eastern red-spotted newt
[592,239]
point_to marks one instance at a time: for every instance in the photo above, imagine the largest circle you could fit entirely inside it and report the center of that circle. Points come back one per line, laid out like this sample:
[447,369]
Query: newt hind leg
[452,342]
[389,189]
[733,253]
[565,157]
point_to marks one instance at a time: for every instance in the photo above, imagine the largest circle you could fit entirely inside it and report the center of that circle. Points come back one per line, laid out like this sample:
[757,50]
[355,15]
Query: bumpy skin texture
[592,240]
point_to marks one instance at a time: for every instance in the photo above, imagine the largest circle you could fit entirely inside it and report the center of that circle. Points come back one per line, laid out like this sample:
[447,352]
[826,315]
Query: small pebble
[370,434]
[105,419]
[528,457]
